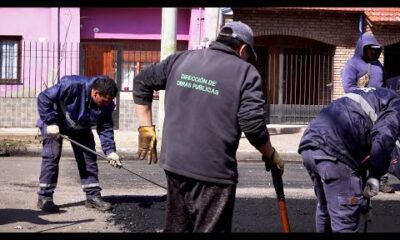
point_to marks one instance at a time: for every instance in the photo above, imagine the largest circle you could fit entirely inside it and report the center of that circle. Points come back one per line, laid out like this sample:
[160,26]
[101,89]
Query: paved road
[139,205]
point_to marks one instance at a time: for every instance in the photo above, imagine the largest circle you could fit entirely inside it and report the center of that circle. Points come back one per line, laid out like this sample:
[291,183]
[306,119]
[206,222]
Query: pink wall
[69,24]
[39,30]
[39,27]
[197,30]
[35,24]
[129,23]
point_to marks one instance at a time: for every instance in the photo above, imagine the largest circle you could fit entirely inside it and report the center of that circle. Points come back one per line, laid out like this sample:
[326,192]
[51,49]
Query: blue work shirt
[69,105]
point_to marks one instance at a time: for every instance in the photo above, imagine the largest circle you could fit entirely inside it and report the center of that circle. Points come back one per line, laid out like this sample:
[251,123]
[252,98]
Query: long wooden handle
[278,185]
[284,216]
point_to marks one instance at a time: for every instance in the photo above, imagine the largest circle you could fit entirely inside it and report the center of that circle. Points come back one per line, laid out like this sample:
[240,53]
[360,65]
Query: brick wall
[337,29]
[342,55]
[386,35]
[22,113]
[18,112]
[127,115]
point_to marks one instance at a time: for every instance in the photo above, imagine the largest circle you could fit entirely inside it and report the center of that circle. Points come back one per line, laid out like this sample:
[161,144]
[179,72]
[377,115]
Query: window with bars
[129,71]
[133,61]
[10,59]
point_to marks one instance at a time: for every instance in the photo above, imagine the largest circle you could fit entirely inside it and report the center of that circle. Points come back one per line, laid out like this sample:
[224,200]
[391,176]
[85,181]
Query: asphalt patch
[138,213]
[144,214]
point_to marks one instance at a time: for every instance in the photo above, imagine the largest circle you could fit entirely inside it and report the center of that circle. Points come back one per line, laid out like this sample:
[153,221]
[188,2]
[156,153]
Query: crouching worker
[335,149]
[72,107]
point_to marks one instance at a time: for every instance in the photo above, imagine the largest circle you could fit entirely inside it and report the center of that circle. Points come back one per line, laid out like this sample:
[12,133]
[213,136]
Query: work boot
[386,188]
[46,204]
[97,203]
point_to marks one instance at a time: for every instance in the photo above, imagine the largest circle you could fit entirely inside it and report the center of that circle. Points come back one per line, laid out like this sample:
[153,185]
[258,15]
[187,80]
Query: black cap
[241,32]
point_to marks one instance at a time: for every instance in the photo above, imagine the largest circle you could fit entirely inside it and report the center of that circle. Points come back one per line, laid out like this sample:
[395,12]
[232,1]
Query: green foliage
[10,145]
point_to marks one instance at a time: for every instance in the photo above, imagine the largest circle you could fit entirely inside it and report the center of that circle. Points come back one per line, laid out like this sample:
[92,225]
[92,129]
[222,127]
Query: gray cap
[241,32]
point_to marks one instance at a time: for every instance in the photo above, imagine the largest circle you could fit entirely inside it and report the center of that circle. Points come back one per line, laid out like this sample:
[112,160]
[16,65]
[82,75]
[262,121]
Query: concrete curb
[242,156]
[285,139]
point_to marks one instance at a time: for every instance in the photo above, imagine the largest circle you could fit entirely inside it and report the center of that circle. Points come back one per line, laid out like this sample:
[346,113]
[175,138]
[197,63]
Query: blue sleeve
[105,129]
[349,77]
[49,98]
[384,136]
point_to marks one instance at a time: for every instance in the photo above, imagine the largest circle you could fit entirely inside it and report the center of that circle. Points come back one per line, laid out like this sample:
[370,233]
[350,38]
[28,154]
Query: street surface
[139,204]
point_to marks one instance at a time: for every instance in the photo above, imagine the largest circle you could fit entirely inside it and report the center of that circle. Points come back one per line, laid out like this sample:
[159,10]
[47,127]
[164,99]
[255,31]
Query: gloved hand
[363,81]
[275,160]
[53,130]
[366,209]
[147,144]
[371,187]
[113,160]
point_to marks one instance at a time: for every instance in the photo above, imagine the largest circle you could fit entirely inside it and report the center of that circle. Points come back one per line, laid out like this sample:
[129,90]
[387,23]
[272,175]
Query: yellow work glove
[147,144]
[275,160]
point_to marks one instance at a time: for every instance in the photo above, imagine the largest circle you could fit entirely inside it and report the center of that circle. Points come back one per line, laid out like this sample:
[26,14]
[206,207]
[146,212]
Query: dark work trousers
[87,165]
[197,206]
[394,167]
[339,192]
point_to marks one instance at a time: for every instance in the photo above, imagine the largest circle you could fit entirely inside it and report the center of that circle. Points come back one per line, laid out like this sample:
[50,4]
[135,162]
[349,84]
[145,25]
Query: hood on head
[364,40]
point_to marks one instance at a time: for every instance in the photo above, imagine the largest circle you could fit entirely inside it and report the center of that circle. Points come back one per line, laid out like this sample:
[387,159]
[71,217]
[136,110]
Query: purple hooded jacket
[357,67]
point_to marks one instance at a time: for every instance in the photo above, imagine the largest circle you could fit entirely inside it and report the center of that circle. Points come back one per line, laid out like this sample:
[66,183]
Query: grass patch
[13,144]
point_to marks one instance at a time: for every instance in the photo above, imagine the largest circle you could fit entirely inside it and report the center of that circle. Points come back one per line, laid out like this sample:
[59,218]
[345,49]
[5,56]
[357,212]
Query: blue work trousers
[86,161]
[339,192]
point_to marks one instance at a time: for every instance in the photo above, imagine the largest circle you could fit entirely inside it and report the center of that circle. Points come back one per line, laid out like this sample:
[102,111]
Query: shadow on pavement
[12,215]
[73,204]
[142,201]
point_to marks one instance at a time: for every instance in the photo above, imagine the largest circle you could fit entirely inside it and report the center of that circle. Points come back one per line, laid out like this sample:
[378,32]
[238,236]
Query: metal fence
[40,66]
[297,83]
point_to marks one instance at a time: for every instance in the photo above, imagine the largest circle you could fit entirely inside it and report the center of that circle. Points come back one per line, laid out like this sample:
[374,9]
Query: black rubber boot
[386,188]
[46,204]
[98,203]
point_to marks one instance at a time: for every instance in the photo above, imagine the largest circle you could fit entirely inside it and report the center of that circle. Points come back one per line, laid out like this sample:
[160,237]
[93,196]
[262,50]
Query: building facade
[301,52]
[40,45]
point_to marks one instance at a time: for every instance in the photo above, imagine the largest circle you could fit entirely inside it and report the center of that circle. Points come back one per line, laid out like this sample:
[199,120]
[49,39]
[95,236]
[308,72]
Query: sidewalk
[285,139]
